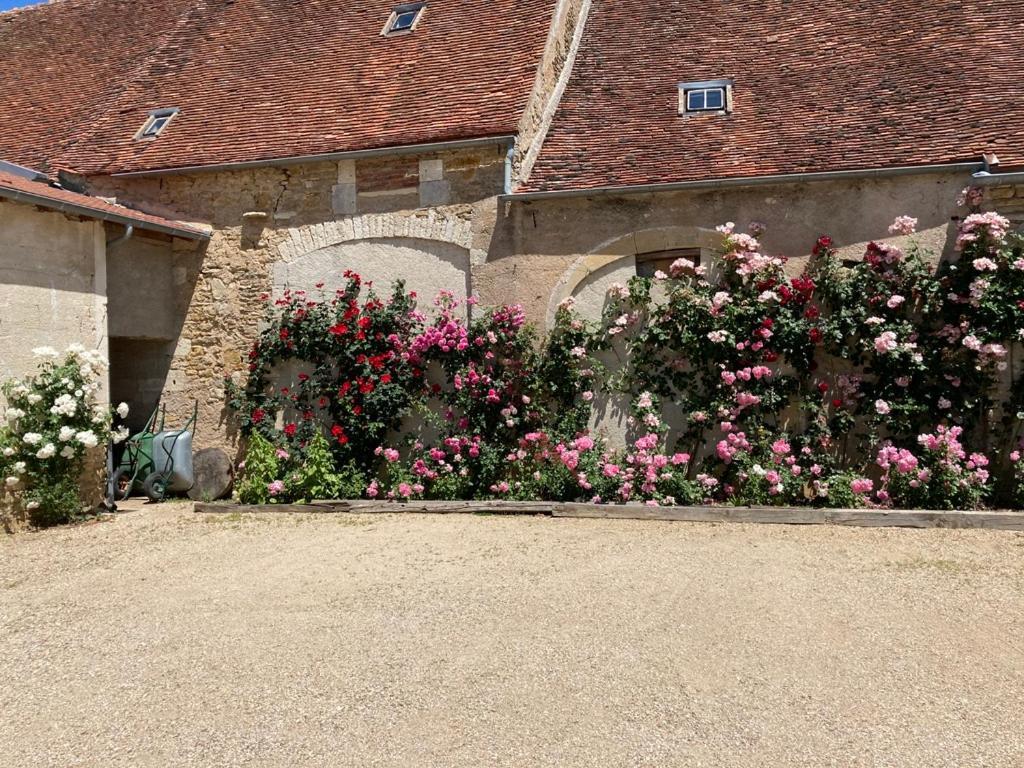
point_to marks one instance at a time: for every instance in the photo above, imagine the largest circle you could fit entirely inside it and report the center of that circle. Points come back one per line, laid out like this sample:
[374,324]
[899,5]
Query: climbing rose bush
[52,421]
[884,381]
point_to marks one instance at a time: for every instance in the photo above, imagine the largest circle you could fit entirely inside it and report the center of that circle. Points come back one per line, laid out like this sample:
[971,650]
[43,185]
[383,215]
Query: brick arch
[624,249]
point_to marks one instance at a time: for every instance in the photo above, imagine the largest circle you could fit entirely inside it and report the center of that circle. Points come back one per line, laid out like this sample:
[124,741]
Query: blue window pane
[404,21]
[156,126]
[713,99]
[695,100]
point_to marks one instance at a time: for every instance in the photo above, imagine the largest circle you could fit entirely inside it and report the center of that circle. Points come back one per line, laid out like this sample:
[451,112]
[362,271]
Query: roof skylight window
[705,96]
[403,19]
[156,122]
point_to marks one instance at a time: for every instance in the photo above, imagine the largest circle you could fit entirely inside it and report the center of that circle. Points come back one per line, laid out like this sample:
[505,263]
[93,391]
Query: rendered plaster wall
[53,294]
[52,285]
[578,246]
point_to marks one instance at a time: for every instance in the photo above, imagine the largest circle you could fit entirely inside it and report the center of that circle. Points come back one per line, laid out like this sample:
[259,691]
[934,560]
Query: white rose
[122,410]
[66,434]
[19,467]
[13,414]
[11,482]
[8,451]
[67,452]
[32,438]
[121,434]
[64,405]
[46,451]
[32,505]
[34,398]
[87,438]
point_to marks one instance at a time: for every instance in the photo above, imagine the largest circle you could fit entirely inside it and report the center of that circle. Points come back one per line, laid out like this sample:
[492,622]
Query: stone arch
[426,266]
[615,261]
[433,224]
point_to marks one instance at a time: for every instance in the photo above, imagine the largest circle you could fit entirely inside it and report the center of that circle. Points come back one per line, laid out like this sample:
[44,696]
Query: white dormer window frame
[155,124]
[704,97]
[403,19]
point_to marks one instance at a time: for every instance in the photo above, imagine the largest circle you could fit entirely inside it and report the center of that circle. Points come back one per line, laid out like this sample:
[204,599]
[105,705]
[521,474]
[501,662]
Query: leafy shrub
[746,385]
[52,423]
[260,480]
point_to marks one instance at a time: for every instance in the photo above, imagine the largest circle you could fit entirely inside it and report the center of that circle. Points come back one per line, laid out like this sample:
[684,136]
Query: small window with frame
[706,96]
[156,123]
[403,19]
[648,264]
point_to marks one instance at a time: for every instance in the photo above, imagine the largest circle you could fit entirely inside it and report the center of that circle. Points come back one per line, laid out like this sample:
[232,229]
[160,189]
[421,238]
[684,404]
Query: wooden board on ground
[870,518]
[1008,520]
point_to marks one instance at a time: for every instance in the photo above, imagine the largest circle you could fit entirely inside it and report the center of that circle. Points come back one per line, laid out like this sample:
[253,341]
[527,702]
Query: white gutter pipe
[745,181]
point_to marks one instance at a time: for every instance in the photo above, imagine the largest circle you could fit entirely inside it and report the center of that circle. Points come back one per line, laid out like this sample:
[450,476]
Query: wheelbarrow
[156,461]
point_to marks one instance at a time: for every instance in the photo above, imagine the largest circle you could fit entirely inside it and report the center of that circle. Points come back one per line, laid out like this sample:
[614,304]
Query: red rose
[365,322]
[836,403]
[358,410]
[767,322]
[812,312]
[366,387]
[815,335]
[283,334]
[290,429]
[338,330]
[385,379]
[823,387]
[257,415]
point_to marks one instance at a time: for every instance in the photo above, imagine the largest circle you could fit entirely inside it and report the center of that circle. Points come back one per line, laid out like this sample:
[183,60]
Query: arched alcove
[615,260]
[426,266]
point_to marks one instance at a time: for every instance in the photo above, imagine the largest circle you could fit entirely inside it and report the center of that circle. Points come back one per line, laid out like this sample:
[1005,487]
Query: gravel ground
[166,638]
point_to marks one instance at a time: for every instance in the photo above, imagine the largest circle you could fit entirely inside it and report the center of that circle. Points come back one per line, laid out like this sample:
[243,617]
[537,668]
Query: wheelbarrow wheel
[122,484]
[155,486]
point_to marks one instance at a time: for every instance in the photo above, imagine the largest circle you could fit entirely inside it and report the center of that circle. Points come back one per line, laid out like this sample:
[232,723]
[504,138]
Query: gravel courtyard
[167,638]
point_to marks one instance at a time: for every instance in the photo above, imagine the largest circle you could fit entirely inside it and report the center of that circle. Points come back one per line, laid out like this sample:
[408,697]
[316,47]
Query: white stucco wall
[52,285]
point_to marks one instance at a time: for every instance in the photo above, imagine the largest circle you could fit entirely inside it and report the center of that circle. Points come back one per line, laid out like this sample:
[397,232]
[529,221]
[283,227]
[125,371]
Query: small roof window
[156,122]
[403,19]
[705,96]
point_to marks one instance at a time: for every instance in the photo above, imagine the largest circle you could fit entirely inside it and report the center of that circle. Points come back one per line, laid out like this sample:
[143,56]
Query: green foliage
[52,422]
[259,472]
[316,477]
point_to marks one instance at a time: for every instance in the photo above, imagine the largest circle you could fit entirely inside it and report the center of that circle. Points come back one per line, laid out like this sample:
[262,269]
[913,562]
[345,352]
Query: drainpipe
[508,166]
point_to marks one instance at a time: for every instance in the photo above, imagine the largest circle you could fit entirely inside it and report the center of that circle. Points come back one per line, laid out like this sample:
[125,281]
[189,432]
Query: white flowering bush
[51,423]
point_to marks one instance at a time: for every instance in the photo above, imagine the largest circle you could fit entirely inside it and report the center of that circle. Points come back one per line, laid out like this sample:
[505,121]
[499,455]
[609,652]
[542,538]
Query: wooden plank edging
[869,518]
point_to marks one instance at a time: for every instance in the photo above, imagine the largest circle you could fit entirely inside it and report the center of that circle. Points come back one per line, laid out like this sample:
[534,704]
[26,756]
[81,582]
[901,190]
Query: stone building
[521,150]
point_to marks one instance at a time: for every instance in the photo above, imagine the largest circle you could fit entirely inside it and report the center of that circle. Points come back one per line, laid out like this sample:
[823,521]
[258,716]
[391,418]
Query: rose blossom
[903,225]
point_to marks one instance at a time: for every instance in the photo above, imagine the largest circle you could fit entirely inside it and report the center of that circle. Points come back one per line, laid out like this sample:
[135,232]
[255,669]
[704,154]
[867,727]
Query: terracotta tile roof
[258,79]
[32,192]
[62,64]
[829,85]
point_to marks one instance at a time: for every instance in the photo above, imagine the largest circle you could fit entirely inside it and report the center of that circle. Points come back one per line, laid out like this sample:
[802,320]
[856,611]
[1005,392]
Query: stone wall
[436,220]
[592,241]
[426,218]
